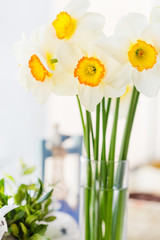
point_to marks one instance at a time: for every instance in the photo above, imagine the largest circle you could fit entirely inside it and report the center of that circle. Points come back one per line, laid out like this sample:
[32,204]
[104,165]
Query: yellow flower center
[89,71]
[142,55]
[64,25]
[51,61]
[38,71]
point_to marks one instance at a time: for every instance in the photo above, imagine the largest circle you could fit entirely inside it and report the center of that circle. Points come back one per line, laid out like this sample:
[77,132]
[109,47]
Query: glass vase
[103,198]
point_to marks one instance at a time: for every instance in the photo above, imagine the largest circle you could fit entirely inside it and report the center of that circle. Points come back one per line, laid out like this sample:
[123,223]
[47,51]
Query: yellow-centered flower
[96,74]
[39,69]
[64,25]
[89,71]
[74,22]
[136,45]
[142,55]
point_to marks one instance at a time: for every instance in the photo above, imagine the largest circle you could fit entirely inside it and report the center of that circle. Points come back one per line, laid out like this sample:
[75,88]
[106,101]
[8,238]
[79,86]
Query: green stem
[94,192]
[89,177]
[103,167]
[91,129]
[107,111]
[129,124]
[114,133]
[105,117]
[109,203]
[96,145]
[103,155]
[82,120]
[88,135]
[119,211]
[86,132]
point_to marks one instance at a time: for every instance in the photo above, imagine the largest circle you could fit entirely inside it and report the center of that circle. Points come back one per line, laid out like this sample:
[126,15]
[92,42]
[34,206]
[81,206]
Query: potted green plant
[27,221]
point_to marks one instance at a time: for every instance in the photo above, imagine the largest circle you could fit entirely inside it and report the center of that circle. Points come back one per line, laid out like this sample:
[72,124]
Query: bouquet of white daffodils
[73,56]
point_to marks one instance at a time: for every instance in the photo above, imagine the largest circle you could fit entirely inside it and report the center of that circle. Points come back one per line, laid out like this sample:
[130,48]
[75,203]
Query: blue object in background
[77,148]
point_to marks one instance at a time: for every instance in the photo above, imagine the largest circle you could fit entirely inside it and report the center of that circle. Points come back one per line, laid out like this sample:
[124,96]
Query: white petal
[77,8]
[92,21]
[148,81]
[24,50]
[151,34]
[124,102]
[85,39]
[88,30]
[155,15]
[111,92]
[40,90]
[46,38]
[42,93]
[121,77]
[132,25]
[90,96]
[116,46]
[65,84]
[68,55]
[24,77]
[37,33]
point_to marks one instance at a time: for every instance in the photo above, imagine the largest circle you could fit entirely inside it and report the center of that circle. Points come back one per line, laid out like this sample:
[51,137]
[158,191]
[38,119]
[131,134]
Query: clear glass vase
[103,198]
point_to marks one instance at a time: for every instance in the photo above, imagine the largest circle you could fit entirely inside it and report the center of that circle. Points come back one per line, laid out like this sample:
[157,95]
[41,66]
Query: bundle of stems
[99,206]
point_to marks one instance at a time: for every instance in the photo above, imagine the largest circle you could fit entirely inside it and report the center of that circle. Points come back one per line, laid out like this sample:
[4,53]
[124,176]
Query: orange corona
[142,55]
[39,72]
[64,25]
[89,71]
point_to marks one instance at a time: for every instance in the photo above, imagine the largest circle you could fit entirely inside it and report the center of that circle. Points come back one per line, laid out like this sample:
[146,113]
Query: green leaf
[14,230]
[9,177]
[38,237]
[29,170]
[41,229]
[21,194]
[27,210]
[47,204]
[49,219]
[40,191]
[30,219]
[24,228]
[2,185]
[3,199]
[45,197]
[23,165]
[36,206]
[17,216]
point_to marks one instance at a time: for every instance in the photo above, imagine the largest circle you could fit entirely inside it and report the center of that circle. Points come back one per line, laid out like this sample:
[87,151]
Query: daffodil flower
[96,74]
[135,48]
[39,70]
[74,22]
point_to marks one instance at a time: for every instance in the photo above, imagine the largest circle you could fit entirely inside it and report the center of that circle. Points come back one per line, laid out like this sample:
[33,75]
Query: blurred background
[27,129]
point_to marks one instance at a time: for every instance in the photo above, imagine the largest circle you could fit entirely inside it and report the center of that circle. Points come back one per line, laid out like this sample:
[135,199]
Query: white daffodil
[74,22]
[155,15]
[96,74]
[39,70]
[135,48]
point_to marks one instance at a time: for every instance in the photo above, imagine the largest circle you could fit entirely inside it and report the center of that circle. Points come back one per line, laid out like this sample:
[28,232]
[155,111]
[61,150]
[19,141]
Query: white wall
[21,118]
